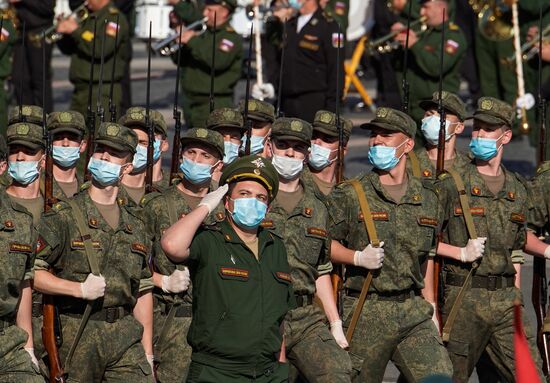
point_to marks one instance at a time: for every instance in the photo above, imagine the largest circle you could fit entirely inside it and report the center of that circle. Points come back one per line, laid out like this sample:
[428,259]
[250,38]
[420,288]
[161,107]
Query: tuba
[494,19]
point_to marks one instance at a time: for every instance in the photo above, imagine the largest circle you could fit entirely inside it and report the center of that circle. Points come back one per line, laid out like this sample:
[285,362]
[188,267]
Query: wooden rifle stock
[148,125]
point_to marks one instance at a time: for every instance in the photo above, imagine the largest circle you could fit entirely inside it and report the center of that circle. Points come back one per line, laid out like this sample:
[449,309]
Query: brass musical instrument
[80,14]
[386,44]
[170,44]
[494,19]
[531,48]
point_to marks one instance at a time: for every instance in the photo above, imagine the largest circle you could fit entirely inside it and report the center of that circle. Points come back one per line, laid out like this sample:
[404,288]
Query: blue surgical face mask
[430,129]
[287,167]
[256,144]
[484,148]
[194,172]
[66,156]
[230,152]
[104,172]
[140,158]
[24,172]
[248,212]
[295,4]
[319,158]
[383,157]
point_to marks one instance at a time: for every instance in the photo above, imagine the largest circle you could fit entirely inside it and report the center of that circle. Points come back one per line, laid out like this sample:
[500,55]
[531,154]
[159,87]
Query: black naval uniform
[309,78]
[37,16]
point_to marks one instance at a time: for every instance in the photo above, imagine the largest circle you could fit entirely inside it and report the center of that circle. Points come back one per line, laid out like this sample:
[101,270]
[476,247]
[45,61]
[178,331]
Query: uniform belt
[398,296]
[489,282]
[182,310]
[108,314]
[304,300]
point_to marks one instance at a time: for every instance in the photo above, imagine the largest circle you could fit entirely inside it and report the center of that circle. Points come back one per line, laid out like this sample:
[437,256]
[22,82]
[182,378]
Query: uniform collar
[230,236]
[412,196]
[478,187]
[95,220]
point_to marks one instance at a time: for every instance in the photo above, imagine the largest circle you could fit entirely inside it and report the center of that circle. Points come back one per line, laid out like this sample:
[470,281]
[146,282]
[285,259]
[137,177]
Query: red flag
[526,372]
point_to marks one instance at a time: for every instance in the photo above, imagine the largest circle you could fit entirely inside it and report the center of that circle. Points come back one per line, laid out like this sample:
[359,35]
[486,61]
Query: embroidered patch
[473,210]
[340,8]
[427,173]
[429,48]
[40,245]
[4,34]
[232,272]
[111,29]
[139,247]
[226,45]
[337,40]
[307,45]
[308,212]
[87,36]
[451,47]
[512,195]
[79,245]
[9,224]
[376,216]
[517,217]
[266,224]
[283,276]
[427,221]
[93,223]
[311,37]
[476,190]
[20,247]
[317,231]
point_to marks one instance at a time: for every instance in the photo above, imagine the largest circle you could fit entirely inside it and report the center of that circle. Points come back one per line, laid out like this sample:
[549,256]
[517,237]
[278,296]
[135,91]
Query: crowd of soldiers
[223,272]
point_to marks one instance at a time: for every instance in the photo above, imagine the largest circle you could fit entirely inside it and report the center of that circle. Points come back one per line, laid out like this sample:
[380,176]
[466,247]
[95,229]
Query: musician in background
[424,55]
[196,61]
[78,43]
[7,40]
[27,64]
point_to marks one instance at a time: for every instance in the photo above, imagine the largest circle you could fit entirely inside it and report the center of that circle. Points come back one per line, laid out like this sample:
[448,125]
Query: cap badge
[258,162]
[22,129]
[325,118]
[252,105]
[486,105]
[136,116]
[65,117]
[296,126]
[202,133]
[382,112]
[112,130]
[228,114]
[26,110]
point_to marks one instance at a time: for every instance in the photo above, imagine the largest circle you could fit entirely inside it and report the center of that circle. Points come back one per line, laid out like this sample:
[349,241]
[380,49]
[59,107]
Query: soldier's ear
[409,145]
[3,166]
[459,127]
[126,168]
[164,145]
[83,145]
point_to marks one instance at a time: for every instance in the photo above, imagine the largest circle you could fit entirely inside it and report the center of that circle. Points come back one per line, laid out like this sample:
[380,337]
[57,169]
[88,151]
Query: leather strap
[373,238]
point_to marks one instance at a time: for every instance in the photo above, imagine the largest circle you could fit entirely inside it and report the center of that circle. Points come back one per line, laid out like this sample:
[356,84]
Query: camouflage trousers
[175,355]
[106,352]
[203,373]
[311,348]
[402,332]
[15,362]
[485,322]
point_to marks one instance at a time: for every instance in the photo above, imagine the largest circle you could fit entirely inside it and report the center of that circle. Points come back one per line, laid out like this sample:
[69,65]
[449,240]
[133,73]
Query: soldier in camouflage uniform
[299,217]
[261,115]
[133,184]
[68,130]
[396,320]
[201,148]
[17,360]
[499,205]
[115,345]
[78,43]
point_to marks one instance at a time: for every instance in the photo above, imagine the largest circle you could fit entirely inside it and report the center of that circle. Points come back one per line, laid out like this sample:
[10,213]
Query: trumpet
[385,44]
[531,48]
[80,14]
[170,44]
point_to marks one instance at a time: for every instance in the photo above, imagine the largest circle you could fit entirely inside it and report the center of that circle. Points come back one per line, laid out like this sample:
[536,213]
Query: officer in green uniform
[395,322]
[78,43]
[99,254]
[500,205]
[424,53]
[7,40]
[339,11]
[17,360]
[261,115]
[299,217]
[241,278]
[202,152]
[196,62]
[68,130]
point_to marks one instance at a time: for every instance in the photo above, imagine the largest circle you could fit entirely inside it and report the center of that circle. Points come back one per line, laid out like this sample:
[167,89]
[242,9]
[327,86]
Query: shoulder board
[148,198]
[453,27]
[60,205]
[113,10]
[85,186]
[229,28]
[443,175]
[522,180]
[545,166]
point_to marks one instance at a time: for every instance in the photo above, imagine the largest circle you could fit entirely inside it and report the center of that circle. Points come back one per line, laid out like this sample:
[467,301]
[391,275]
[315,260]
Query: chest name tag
[267,224]
[20,247]
[308,45]
[427,221]
[232,272]
[473,211]
[79,245]
[139,247]
[377,216]
[317,231]
[284,276]
[517,217]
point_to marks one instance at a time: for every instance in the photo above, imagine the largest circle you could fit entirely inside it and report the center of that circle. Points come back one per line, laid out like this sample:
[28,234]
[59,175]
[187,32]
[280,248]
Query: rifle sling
[465,205]
[91,254]
[415,164]
[373,237]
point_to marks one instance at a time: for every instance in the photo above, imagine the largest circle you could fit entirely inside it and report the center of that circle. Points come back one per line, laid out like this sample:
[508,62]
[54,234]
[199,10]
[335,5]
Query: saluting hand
[370,258]
[176,282]
[213,199]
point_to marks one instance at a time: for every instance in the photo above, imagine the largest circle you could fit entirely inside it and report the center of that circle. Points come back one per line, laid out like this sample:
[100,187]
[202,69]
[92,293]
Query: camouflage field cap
[69,121]
[29,113]
[3,148]
[135,118]
[393,120]
[325,122]
[494,112]
[26,134]
[254,168]
[204,136]
[292,129]
[229,4]
[259,110]
[451,104]
[225,118]
[116,136]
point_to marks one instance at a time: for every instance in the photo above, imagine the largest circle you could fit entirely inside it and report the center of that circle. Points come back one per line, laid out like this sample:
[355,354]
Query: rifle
[247,124]
[278,112]
[176,144]
[50,339]
[405,82]
[212,63]
[90,115]
[100,111]
[148,125]
[21,117]
[337,276]
[539,286]
[112,106]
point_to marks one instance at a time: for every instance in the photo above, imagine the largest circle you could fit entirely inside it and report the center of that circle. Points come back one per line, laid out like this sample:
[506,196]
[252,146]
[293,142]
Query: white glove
[547,252]
[151,361]
[338,333]
[93,287]
[527,101]
[474,249]
[261,92]
[33,358]
[434,317]
[213,199]
[370,258]
[176,282]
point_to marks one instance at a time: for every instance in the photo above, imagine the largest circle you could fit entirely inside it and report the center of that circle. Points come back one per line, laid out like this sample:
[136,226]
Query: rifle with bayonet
[100,110]
[539,289]
[405,82]
[278,112]
[90,114]
[21,117]
[176,143]
[112,106]
[212,66]
[247,124]
[148,126]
